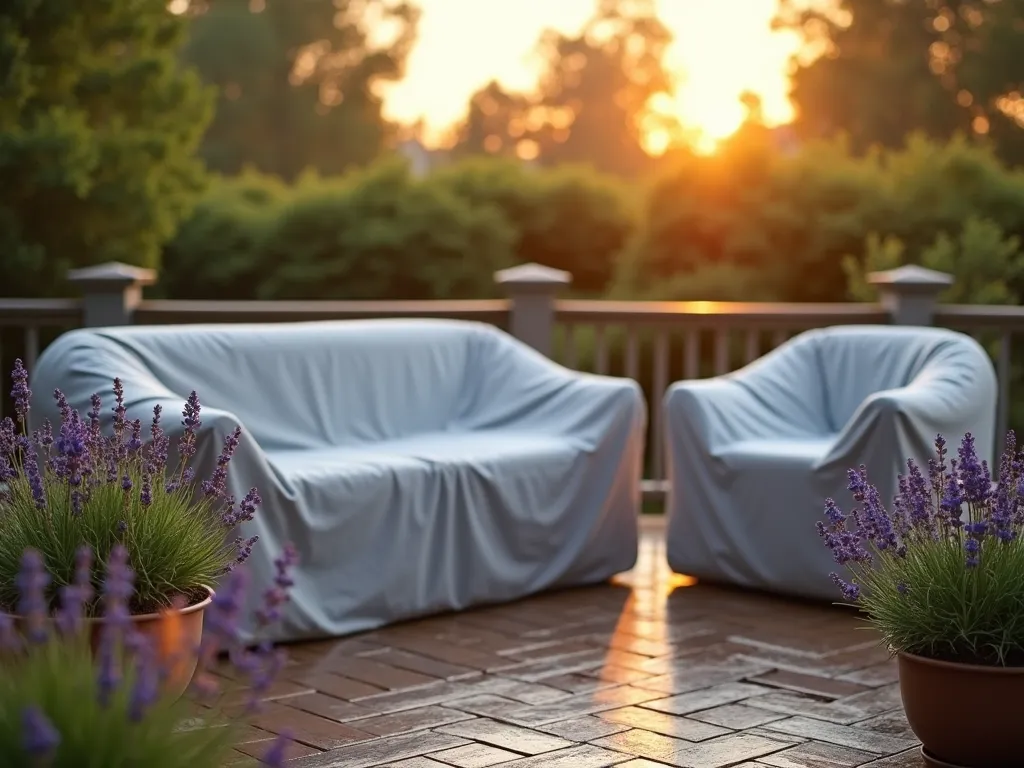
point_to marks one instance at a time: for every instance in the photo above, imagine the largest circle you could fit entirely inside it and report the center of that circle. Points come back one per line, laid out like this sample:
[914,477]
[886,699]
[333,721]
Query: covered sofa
[418,466]
[752,456]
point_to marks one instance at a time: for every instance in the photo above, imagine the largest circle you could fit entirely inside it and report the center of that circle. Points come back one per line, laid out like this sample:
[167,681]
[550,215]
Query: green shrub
[751,213]
[219,252]
[379,234]
[570,218]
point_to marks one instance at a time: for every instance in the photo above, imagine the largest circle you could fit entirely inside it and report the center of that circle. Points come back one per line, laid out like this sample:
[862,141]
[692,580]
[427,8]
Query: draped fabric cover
[754,455]
[418,466]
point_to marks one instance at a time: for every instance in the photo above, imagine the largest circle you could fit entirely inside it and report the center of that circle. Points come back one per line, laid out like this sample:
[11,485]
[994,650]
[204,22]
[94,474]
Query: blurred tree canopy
[382,233]
[748,223]
[98,129]
[759,223]
[878,70]
[297,80]
[596,99]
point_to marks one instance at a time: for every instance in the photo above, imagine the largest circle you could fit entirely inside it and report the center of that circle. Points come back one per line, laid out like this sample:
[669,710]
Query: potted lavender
[63,705]
[940,573]
[67,487]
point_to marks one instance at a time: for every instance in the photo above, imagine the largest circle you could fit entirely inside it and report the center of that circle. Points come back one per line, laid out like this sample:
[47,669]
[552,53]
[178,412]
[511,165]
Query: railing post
[532,289]
[110,292]
[910,293]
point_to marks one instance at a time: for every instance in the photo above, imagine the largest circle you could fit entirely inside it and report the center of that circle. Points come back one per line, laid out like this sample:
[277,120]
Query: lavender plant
[941,571]
[73,486]
[63,706]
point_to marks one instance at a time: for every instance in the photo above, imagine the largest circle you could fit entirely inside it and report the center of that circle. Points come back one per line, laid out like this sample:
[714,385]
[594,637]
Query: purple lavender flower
[20,392]
[846,545]
[43,437]
[1008,466]
[75,596]
[974,474]
[126,483]
[113,470]
[62,405]
[858,485]
[190,420]
[874,520]
[277,595]
[135,441]
[221,621]
[973,549]
[918,500]
[117,591]
[215,486]
[245,511]
[39,736]
[937,466]
[275,755]
[850,590]
[97,445]
[73,449]
[32,583]
[94,412]
[8,434]
[146,684]
[952,501]
[158,447]
[243,548]
[1002,514]
[30,462]
[119,413]
[260,667]
[928,510]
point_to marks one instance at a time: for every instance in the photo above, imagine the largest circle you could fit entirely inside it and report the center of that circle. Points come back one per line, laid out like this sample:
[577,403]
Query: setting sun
[722,49]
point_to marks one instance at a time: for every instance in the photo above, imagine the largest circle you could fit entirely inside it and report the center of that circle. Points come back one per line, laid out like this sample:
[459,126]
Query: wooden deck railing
[653,342]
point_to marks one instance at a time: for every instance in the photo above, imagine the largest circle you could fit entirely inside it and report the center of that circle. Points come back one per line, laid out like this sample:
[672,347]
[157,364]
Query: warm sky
[722,48]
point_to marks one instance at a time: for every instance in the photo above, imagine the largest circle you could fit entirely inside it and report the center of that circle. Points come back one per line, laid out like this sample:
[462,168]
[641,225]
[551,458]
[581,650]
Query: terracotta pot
[965,715]
[175,636]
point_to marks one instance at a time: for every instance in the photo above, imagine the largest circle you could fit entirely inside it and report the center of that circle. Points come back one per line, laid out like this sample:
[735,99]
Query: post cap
[533,276]
[112,274]
[912,278]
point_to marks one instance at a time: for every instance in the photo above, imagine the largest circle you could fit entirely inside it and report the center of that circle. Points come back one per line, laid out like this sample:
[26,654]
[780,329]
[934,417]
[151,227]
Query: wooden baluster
[31,348]
[571,345]
[722,366]
[632,354]
[659,385]
[600,350]
[1003,372]
[691,354]
[752,349]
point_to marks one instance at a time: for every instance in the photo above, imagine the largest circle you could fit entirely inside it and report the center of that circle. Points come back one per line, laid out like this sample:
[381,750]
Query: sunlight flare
[722,49]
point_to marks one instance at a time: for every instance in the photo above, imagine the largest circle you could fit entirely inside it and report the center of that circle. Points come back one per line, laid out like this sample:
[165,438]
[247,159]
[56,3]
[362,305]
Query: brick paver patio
[649,671]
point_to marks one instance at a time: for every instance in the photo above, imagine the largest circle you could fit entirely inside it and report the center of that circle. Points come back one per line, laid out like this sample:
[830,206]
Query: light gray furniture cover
[418,466]
[752,456]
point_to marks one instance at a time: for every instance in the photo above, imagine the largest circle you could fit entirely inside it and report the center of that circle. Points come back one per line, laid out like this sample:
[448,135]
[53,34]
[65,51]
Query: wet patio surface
[650,670]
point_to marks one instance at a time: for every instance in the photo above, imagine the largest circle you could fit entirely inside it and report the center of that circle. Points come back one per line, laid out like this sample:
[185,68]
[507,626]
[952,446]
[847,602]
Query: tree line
[240,145]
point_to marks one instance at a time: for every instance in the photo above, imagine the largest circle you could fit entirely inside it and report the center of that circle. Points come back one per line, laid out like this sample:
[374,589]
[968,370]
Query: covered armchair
[752,456]
[418,466]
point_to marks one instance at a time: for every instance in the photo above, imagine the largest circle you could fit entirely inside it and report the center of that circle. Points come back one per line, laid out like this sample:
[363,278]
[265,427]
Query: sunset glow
[722,48]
